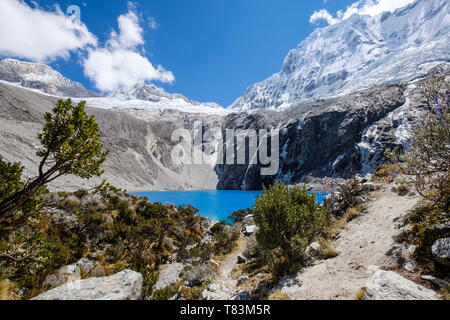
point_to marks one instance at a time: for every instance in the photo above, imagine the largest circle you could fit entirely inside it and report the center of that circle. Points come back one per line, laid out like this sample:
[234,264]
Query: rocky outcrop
[125,285]
[350,133]
[441,251]
[388,285]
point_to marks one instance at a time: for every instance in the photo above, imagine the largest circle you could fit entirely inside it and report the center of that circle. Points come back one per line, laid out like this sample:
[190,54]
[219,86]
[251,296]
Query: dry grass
[8,290]
[327,250]
[445,294]
[278,295]
[385,171]
[361,294]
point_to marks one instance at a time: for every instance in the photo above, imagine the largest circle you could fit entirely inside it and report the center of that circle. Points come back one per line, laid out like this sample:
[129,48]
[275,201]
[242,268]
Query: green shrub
[288,220]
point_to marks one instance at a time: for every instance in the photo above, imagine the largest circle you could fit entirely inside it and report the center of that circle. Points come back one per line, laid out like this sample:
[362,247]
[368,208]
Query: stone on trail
[388,285]
[125,285]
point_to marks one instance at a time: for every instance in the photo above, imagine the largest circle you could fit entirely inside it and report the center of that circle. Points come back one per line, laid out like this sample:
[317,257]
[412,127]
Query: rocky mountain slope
[358,53]
[140,150]
[333,137]
[42,78]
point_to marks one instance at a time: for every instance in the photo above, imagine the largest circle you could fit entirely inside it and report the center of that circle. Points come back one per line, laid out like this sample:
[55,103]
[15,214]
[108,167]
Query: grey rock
[441,251]
[369,187]
[85,264]
[196,275]
[441,283]
[244,296]
[125,285]
[241,259]
[388,285]
[93,201]
[98,272]
[168,274]
[242,279]
[69,273]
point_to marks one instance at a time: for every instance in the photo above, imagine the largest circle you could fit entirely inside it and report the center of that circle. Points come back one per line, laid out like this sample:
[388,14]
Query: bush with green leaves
[71,144]
[428,159]
[288,219]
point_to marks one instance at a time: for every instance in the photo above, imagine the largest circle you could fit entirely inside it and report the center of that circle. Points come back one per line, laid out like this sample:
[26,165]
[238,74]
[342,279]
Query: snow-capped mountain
[357,53]
[42,78]
[149,97]
[141,96]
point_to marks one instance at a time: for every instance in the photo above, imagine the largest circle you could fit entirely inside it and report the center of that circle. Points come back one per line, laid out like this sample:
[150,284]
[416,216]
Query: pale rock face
[125,285]
[357,53]
[388,285]
[441,251]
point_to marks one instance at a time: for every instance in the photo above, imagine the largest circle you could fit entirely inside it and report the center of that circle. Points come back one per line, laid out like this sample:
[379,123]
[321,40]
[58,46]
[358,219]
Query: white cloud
[35,34]
[363,7]
[120,62]
[323,15]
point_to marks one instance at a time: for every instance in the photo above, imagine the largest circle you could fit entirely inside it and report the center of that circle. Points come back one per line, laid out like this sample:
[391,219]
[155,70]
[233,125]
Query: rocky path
[223,287]
[363,244]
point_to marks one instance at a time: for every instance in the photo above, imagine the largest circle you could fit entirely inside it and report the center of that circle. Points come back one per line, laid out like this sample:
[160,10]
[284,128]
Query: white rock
[388,285]
[85,264]
[169,274]
[441,251]
[125,285]
[69,273]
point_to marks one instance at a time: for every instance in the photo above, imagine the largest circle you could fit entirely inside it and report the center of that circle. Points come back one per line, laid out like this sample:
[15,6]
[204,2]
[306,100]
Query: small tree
[71,145]
[288,219]
[429,157]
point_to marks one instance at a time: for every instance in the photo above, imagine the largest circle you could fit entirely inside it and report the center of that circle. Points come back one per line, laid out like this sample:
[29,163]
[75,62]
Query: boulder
[249,230]
[244,295]
[125,285]
[85,264]
[312,249]
[241,259]
[69,273]
[441,251]
[368,187]
[169,274]
[242,279]
[388,285]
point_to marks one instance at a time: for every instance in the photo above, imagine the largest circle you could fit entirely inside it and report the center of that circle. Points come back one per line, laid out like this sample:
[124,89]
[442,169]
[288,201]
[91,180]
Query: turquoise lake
[216,205]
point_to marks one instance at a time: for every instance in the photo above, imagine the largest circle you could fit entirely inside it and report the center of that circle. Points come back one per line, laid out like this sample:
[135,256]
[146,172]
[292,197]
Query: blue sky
[214,49]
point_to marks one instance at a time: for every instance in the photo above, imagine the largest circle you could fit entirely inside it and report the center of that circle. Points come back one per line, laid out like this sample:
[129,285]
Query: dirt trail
[363,243]
[226,285]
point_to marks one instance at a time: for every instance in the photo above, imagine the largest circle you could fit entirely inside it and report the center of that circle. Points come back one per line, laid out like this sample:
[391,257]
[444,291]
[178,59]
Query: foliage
[125,233]
[361,294]
[429,157]
[288,220]
[10,183]
[278,295]
[238,216]
[421,234]
[71,139]
[71,145]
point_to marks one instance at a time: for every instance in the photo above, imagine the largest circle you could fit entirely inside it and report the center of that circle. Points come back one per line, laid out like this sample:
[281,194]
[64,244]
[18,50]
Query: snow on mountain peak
[357,53]
[41,77]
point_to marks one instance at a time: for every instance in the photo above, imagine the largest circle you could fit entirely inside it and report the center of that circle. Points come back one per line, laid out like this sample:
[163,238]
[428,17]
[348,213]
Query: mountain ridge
[357,53]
